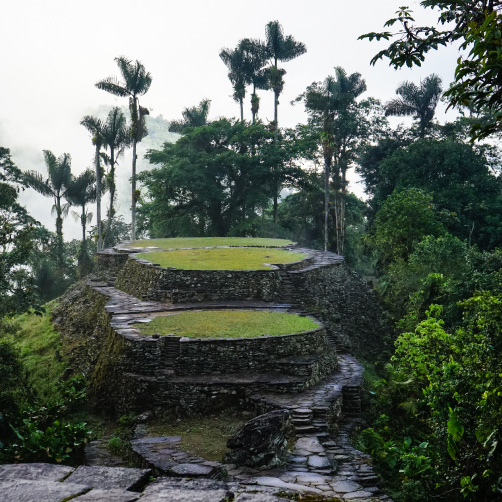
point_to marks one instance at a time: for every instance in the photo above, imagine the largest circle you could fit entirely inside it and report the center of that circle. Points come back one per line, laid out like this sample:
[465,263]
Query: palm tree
[329,105]
[420,102]
[279,48]
[116,137]
[136,82]
[95,127]
[56,185]
[235,61]
[255,58]
[81,191]
[195,116]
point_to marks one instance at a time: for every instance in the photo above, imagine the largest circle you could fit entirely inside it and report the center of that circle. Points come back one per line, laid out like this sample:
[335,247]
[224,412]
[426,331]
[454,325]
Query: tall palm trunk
[112,196]
[241,102]
[83,221]
[59,231]
[98,197]
[133,191]
[327,165]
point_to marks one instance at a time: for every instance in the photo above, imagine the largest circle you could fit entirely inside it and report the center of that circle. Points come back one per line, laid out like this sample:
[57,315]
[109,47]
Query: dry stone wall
[346,305]
[150,282]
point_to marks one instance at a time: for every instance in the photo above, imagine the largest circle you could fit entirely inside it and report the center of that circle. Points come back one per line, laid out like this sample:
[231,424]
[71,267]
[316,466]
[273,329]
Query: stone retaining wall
[345,304]
[221,356]
[150,282]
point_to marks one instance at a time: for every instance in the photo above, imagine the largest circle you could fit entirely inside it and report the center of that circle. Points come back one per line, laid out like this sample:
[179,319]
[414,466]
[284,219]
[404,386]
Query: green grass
[200,242]
[222,258]
[204,436]
[39,346]
[227,324]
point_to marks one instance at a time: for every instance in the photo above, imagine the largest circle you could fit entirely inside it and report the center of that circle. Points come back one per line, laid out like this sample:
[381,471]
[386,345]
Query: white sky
[54,51]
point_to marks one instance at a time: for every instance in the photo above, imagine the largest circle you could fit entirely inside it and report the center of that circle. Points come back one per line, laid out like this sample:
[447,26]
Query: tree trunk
[241,101]
[276,197]
[133,191]
[83,219]
[276,120]
[112,196]
[59,232]
[98,198]
[326,202]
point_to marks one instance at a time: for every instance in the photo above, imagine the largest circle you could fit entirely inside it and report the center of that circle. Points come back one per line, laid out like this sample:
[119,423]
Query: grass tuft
[200,242]
[227,324]
[222,258]
[39,345]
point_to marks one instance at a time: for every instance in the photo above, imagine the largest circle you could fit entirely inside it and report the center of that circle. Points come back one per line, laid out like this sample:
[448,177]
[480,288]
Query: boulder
[261,442]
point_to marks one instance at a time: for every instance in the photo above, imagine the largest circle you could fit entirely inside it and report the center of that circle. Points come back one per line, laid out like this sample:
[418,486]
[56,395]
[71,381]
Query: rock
[319,462]
[345,486]
[110,477]
[165,484]
[44,472]
[192,470]
[278,483]
[256,497]
[261,442]
[180,495]
[108,496]
[26,490]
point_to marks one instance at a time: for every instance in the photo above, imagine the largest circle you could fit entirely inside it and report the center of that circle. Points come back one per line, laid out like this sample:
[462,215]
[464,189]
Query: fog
[55,51]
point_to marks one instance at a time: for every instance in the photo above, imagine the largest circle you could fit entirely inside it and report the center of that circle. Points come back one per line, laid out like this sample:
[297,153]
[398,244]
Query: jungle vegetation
[429,232]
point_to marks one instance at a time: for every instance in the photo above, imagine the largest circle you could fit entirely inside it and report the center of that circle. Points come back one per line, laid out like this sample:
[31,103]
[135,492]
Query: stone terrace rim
[203,242]
[228,324]
[223,258]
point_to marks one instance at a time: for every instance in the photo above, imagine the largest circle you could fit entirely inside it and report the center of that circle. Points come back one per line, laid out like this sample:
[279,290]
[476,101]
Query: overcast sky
[54,51]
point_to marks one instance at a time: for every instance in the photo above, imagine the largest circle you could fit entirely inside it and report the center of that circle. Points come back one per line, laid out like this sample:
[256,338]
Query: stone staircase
[171,350]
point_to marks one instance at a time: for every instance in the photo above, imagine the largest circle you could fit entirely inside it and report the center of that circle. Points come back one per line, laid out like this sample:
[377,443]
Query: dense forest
[428,234]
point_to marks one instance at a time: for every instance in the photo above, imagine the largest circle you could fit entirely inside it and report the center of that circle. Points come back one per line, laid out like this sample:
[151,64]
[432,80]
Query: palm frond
[36,181]
[113,86]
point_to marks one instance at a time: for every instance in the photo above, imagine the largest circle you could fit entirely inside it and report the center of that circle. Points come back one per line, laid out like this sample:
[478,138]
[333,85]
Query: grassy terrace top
[227,324]
[201,242]
[222,258]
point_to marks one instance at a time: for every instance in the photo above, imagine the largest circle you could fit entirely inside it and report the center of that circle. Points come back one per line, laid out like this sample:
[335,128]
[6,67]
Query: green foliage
[228,324]
[214,178]
[477,25]
[465,192]
[18,234]
[456,377]
[45,432]
[38,345]
[405,219]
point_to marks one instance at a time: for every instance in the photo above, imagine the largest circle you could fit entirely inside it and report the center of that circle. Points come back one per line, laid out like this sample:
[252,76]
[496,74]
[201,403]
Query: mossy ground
[205,436]
[39,346]
[200,242]
[222,258]
[227,324]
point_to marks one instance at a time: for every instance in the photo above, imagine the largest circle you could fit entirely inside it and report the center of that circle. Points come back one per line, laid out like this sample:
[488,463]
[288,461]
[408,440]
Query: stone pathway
[321,461]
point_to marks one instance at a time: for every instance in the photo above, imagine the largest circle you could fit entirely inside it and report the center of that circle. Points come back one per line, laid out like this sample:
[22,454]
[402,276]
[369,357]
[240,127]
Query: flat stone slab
[26,490]
[108,496]
[310,444]
[256,497]
[345,486]
[44,472]
[163,484]
[278,483]
[192,470]
[358,495]
[180,495]
[109,477]
[318,462]
[311,477]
